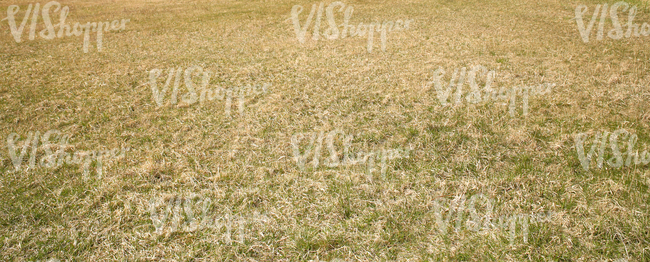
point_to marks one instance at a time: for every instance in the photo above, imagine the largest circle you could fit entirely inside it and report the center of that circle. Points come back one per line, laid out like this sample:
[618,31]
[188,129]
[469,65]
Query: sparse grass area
[244,163]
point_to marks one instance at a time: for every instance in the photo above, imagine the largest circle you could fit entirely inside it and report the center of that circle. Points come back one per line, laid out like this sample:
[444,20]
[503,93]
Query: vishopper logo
[49,32]
[617,32]
[315,147]
[333,31]
[180,215]
[479,210]
[476,95]
[55,159]
[618,158]
[200,93]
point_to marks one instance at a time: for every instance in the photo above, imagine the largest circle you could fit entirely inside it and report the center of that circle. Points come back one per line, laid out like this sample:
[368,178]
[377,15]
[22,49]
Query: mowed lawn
[335,148]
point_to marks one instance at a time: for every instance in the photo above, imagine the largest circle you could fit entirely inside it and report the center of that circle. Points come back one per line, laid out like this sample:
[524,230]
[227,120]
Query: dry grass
[245,163]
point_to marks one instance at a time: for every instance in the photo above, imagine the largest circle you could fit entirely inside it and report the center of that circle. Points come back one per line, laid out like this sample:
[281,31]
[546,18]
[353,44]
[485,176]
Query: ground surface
[238,169]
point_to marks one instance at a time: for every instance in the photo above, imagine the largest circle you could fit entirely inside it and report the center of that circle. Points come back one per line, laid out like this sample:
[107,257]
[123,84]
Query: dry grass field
[217,177]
